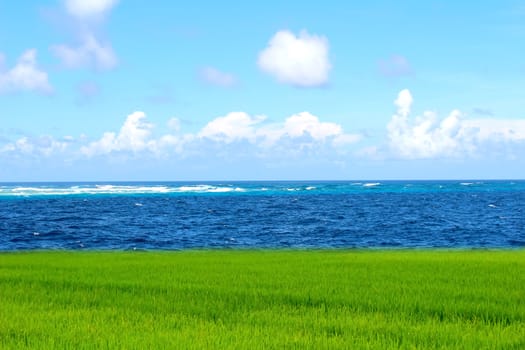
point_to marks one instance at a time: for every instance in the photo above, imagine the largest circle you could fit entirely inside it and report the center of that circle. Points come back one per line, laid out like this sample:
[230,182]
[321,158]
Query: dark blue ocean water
[463,214]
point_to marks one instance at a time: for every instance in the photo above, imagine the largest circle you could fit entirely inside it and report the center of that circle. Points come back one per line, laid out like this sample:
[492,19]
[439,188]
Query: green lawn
[348,299]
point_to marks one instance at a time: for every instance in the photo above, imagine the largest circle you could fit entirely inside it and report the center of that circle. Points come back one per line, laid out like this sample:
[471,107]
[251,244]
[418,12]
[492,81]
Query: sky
[128,90]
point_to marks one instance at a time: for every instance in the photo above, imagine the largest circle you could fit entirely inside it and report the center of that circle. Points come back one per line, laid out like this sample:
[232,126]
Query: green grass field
[263,299]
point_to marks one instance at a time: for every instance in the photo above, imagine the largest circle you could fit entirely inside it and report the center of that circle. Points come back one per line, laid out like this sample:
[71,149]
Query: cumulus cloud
[88,8]
[136,138]
[90,53]
[232,127]
[216,77]
[239,135]
[240,126]
[428,136]
[296,60]
[306,123]
[25,75]
[226,134]
[132,137]
[404,102]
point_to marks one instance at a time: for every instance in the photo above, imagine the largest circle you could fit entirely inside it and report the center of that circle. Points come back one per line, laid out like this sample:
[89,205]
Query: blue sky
[121,90]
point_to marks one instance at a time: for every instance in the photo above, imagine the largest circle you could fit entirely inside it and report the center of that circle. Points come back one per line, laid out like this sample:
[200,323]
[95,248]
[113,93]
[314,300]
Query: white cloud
[88,8]
[302,123]
[307,128]
[454,136]
[90,53]
[136,137]
[40,146]
[133,137]
[404,102]
[216,77]
[297,60]
[491,129]
[342,140]
[228,135]
[89,50]
[233,126]
[25,75]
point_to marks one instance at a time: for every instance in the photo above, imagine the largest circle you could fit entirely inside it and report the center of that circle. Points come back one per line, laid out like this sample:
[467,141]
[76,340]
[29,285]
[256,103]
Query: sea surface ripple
[169,215]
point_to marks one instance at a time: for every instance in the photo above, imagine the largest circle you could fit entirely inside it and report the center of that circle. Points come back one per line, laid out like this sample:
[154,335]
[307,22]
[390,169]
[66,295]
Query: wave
[106,189]
[24,191]
[266,188]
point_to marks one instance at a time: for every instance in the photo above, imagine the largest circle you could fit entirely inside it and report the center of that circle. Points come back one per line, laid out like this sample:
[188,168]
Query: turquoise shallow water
[171,215]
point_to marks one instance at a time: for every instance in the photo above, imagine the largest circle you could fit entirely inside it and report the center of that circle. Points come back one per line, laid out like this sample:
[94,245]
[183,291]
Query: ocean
[313,215]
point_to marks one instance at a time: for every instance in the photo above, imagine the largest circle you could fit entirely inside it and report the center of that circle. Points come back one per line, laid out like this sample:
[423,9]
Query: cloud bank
[302,130]
[299,138]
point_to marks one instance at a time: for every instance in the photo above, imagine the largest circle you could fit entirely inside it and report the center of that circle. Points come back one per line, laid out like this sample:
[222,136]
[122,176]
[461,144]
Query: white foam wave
[194,188]
[207,189]
[31,189]
[371,184]
[114,189]
[220,190]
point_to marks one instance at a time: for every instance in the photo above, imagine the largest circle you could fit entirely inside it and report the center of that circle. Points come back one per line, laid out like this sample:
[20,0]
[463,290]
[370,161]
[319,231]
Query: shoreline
[274,249]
